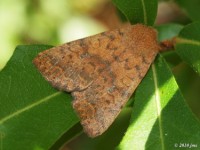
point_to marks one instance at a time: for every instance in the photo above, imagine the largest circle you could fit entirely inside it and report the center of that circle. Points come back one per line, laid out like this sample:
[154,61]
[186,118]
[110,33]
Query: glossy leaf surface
[138,11]
[33,115]
[161,119]
[188,45]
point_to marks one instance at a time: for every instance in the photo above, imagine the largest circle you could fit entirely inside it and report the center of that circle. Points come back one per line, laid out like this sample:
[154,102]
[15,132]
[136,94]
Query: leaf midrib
[144,11]
[158,105]
[180,40]
[28,107]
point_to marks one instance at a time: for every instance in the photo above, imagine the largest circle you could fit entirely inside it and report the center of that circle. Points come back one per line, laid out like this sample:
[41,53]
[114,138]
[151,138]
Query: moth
[100,71]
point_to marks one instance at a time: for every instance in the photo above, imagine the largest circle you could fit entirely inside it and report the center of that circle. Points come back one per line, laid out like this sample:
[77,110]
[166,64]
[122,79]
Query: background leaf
[188,45]
[138,11]
[188,81]
[191,7]
[189,84]
[108,140]
[33,115]
[167,32]
[160,119]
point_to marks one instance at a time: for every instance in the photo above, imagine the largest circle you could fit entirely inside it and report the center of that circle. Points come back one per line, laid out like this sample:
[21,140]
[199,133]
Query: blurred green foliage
[45,21]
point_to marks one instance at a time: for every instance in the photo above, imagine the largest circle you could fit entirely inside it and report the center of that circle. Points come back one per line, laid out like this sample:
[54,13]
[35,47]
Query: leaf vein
[158,104]
[14,114]
[144,11]
[187,41]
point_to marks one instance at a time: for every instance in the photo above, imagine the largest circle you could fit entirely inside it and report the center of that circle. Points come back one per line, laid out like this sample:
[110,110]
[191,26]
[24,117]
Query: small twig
[167,45]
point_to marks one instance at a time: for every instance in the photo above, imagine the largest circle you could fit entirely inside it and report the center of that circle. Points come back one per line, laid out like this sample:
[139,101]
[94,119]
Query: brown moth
[101,71]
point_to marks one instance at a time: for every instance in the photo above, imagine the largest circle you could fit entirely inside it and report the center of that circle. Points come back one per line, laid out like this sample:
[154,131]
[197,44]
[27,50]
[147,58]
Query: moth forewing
[101,71]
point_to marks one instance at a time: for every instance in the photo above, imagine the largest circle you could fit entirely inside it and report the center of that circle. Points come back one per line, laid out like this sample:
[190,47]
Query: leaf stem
[167,45]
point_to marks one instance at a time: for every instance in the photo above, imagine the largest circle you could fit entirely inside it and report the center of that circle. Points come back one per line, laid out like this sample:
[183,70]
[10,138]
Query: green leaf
[160,119]
[191,7]
[167,32]
[33,115]
[189,83]
[188,45]
[138,11]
